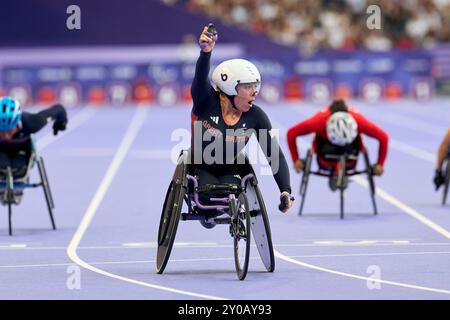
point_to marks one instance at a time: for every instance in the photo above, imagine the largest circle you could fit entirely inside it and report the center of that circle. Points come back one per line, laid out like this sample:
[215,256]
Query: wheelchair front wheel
[240,224]
[261,232]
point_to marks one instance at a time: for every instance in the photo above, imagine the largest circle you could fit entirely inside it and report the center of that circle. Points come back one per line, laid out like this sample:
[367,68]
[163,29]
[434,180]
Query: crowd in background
[334,24]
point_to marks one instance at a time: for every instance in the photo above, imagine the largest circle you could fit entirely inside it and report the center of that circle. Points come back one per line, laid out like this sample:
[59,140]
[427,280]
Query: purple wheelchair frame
[219,208]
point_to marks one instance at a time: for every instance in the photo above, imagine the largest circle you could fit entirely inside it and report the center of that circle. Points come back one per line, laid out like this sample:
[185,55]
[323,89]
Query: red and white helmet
[342,128]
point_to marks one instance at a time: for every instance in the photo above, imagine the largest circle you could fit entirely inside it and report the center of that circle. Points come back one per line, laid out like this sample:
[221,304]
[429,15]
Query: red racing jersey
[317,124]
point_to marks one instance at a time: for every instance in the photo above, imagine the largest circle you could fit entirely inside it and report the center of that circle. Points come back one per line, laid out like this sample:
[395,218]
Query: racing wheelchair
[13,181]
[446,178]
[239,206]
[337,164]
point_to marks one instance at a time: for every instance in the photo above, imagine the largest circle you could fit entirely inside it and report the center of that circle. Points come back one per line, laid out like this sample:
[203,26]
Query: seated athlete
[16,127]
[338,129]
[443,152]
[225,115]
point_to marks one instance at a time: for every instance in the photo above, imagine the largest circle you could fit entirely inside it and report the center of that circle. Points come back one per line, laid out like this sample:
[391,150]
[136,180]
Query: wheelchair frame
[227,210]
[340,177]
[11,188]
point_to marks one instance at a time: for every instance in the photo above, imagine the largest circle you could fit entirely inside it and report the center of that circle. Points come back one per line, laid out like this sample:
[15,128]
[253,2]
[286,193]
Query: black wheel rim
[241,235]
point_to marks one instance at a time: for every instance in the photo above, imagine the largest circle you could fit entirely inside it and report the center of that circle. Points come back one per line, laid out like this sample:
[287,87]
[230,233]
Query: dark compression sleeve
[200,89]
[273,153]
[32,123]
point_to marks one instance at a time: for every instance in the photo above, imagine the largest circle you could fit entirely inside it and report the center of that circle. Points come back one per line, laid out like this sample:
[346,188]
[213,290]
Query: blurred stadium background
[144,51]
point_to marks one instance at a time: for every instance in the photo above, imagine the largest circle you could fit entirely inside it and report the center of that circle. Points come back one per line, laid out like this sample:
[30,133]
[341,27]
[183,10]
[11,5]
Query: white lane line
[130,135]
[230,259]
[80,118]
[412,151]
[230,246]
[405,208]
[350,275]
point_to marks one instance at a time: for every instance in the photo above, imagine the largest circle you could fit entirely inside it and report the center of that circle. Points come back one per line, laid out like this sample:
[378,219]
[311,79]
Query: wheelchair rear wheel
[305,179]
[240,226]
[170,217]
[371,182]
[446,182]
[47,191]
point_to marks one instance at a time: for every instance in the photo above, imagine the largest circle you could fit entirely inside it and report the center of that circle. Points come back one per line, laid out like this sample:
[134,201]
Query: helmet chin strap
[231,98]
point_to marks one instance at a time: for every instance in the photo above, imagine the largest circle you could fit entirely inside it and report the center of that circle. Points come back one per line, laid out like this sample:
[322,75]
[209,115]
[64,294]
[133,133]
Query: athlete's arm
[275,158]
[32,123]
[310,125]
[200,88]
[443,150]
[369,128]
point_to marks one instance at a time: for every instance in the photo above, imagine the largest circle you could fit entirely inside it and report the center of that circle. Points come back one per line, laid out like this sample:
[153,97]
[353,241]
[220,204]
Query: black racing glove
[284,201]
[438,179]
[59,125]
[60,122]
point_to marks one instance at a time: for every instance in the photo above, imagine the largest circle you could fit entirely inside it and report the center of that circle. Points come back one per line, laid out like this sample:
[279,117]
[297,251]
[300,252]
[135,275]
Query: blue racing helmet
[10,113]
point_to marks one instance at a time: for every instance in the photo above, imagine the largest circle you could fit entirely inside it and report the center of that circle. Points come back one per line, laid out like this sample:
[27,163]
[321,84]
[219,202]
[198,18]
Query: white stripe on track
[230,259]
[78,119]
[403,207]
[130,135]
[350,275]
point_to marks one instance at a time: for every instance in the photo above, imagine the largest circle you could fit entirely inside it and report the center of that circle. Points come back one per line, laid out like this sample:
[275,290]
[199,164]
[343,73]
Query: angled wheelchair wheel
[47,190]
[9,197]
[260,226]
[305,180]
[446,182]
[371,182]
[340,183]
[240,224]
[170,217]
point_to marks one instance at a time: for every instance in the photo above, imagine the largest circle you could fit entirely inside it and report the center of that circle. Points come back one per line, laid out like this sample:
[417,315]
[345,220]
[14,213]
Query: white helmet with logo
[342,128]
[227,75]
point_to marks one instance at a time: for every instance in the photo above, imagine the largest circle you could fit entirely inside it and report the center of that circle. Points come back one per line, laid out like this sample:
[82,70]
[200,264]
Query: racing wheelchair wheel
[446,182]
[47,192]
[260,225]
[170,216]
[240,227]
[305,180]
[371,182]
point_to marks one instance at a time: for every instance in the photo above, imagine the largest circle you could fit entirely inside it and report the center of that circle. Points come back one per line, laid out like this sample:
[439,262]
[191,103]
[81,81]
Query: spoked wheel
[447,181]
[47,190]
[170,217]
[240,226]
[371,182]
[305,179]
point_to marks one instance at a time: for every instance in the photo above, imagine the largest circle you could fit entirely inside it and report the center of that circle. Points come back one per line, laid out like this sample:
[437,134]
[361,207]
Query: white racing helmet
[227,75]
[342,128]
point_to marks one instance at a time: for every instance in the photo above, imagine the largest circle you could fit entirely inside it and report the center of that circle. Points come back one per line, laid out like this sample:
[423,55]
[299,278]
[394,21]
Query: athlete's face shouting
[246,94]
